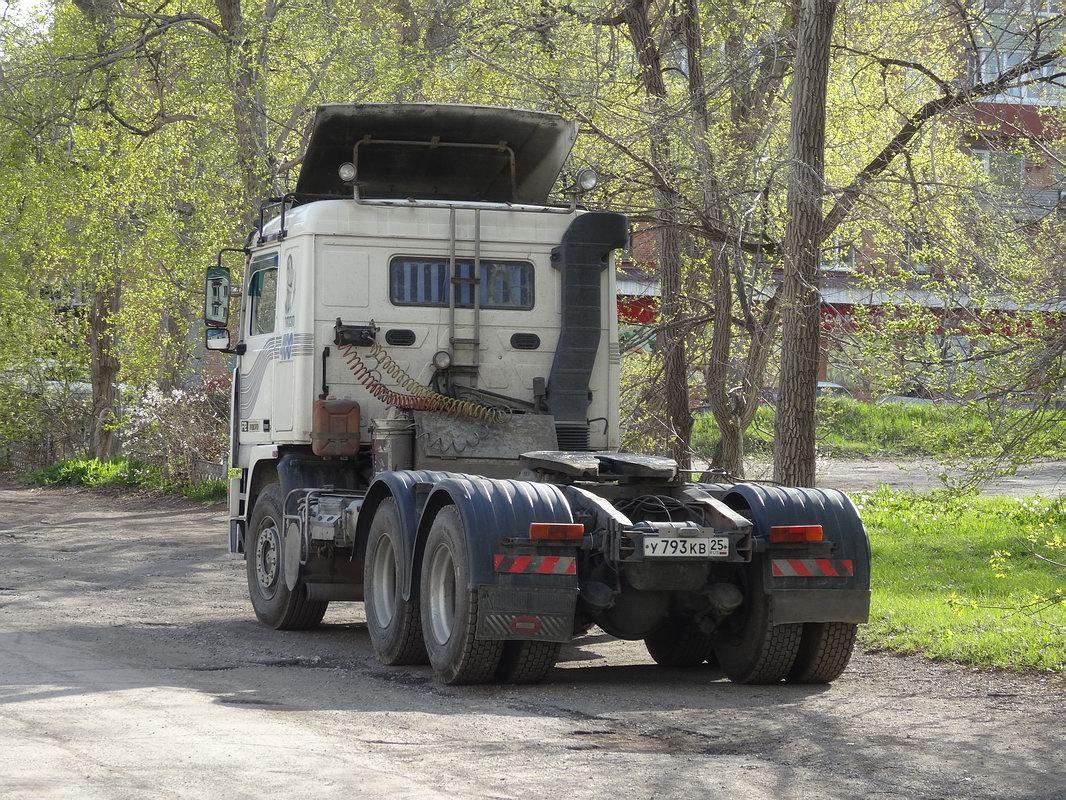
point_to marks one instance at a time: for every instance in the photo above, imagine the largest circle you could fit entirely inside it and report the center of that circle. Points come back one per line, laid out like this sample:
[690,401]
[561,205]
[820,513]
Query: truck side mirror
[216,339]
[216,299]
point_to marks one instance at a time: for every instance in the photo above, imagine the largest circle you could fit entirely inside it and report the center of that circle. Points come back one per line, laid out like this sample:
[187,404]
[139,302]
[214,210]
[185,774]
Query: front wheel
[274,604]
[449,607]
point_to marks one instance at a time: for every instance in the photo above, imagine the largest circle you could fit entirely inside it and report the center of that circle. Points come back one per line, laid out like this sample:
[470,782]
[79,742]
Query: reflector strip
[540,565]
[810,568]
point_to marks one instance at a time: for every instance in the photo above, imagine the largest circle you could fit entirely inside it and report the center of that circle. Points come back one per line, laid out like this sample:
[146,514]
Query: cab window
[262,294]
[423,281]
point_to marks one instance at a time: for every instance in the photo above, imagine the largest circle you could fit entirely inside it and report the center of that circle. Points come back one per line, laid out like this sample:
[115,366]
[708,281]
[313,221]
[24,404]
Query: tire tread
[824,652]
[680,644]
[527,662]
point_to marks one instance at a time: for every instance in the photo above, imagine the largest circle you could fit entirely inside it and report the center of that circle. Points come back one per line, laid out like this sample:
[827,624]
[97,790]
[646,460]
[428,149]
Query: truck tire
[824,652]
[449,608]
[275,605]
[394,624]
[679,643]
[527,662]
[749,647]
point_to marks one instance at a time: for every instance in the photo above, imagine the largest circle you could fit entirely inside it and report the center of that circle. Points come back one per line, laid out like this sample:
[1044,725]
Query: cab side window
[262,294]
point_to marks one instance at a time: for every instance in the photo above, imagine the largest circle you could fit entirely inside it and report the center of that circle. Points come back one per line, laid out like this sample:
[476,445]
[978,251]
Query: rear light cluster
[795,534]
[556,531]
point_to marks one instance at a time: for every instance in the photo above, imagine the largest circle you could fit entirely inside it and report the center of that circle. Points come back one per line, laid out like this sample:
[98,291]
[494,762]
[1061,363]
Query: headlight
[442,359]
[346,171]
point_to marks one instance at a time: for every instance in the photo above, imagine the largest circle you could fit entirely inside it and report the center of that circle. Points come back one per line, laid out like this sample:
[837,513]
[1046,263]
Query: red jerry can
[335,428]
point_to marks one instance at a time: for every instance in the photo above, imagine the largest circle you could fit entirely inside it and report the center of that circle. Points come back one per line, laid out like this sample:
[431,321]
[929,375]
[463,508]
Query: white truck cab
[425,418]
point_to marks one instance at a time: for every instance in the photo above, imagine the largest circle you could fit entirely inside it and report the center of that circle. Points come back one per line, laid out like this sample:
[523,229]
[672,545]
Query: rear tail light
[556,531]
[795,534]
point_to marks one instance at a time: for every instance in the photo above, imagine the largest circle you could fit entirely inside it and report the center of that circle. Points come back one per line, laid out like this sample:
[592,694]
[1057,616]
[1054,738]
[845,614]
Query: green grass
[850,428]
[125,473]
[213,490]
[93,472]
[954,578]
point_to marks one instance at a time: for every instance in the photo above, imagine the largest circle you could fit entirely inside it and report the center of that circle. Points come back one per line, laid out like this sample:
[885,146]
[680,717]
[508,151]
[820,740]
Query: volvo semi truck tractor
[425,419]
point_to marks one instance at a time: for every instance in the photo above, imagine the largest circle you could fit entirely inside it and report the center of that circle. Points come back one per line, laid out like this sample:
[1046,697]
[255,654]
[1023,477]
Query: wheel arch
[491,510]
[404,487]
[810,599]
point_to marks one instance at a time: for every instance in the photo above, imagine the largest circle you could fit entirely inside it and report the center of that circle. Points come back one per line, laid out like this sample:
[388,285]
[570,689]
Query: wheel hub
[441,594]
[384,587]
[267,557]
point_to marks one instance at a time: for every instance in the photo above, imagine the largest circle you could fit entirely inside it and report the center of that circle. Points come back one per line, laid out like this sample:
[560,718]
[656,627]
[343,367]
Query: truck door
[257,363]
[285,378]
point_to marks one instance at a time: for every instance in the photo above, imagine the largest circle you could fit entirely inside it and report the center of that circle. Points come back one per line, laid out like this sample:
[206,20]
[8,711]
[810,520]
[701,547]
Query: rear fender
[494,510]
[809,584]
[403,486]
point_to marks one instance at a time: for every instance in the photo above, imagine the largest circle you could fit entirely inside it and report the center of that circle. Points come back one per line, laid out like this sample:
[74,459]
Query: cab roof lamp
[346,171]
[586,180]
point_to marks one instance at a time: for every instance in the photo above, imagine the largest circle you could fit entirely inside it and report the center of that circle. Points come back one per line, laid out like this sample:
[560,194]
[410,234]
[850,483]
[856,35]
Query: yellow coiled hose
[421,397]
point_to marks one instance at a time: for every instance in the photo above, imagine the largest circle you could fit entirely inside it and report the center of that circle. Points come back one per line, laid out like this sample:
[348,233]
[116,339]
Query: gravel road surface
[131,666]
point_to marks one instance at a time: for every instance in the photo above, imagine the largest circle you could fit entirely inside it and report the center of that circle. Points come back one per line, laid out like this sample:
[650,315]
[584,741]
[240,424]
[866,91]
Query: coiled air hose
[421,397]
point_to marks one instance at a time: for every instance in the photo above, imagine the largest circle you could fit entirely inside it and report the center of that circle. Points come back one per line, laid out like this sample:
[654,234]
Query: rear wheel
[527,662]
[449,607]
[393,623]
[824,652]
[679,643]
[750,648]
[274,603]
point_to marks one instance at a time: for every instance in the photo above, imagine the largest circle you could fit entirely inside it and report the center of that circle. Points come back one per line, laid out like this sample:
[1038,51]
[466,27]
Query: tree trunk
[103,371]
[729,456]
[794,425]
[675,369]
[255,159]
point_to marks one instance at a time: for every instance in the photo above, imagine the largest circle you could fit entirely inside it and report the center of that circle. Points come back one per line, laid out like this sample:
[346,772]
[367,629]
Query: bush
[177,428]
[92,472]
[125,473]
[212,490]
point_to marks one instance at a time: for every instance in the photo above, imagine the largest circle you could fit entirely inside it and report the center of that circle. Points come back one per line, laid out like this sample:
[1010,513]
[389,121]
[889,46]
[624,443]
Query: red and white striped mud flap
[811,568]
[538,565]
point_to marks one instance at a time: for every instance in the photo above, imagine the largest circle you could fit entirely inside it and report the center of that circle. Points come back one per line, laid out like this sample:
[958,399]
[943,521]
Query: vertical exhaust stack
[582,257]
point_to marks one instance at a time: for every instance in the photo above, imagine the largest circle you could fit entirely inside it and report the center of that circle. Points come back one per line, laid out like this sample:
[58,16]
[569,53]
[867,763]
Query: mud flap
[508,613]
[828,582]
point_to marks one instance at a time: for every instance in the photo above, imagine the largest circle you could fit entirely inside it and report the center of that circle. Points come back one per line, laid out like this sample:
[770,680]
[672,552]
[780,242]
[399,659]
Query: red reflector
[795,534]
[526,625]
[556,531]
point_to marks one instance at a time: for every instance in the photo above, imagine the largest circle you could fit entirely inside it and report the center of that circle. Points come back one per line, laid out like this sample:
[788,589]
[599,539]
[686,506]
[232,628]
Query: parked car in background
[910,401]
[827,389]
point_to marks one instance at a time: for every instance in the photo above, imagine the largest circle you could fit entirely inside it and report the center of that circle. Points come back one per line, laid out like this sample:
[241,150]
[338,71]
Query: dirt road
[131,666]
[1047,478]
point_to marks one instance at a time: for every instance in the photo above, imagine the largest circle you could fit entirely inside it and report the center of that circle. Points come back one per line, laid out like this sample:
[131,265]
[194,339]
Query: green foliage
[126,473]
[958,578]
[121,472]
[212,490]
[851,428]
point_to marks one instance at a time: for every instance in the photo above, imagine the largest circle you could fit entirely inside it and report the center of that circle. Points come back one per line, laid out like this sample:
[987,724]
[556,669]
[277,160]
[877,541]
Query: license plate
[688,547]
